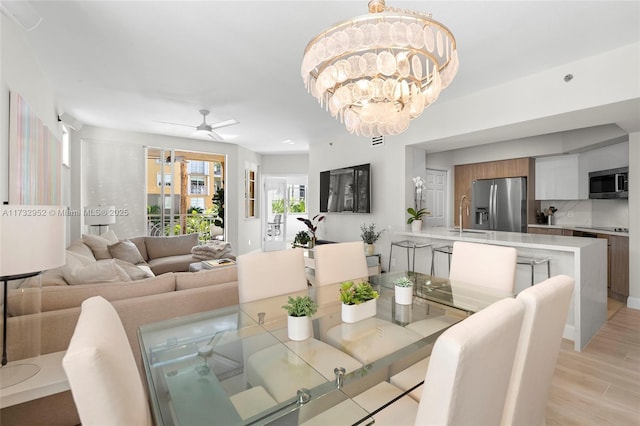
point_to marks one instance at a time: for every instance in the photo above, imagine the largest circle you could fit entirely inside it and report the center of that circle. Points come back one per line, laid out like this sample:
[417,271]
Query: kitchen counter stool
[533,262]
[448,250]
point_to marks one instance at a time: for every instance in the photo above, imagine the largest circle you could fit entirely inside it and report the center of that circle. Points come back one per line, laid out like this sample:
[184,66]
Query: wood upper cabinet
[465,174]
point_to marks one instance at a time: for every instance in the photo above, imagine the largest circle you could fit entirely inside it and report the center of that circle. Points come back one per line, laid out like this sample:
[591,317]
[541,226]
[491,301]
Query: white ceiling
[131,64]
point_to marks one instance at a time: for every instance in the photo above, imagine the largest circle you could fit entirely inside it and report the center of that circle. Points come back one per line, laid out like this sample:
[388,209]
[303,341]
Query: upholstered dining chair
[470,368]
[270,273]
[468,375]
[546,306]
[486,265]
[102,373]
[340,262]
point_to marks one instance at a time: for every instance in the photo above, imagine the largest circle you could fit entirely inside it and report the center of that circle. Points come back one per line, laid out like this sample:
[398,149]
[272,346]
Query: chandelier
[377,72]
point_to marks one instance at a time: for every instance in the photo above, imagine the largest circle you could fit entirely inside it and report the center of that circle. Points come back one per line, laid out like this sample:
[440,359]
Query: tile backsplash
[610,213]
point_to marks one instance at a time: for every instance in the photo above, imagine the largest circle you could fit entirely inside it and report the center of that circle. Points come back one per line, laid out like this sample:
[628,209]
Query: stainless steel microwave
[612,183]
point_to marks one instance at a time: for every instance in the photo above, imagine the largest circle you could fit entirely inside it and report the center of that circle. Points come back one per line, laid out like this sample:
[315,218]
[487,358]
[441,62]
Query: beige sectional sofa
[54,310]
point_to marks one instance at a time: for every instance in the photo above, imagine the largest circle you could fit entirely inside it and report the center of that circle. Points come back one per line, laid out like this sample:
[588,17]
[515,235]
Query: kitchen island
[584,259]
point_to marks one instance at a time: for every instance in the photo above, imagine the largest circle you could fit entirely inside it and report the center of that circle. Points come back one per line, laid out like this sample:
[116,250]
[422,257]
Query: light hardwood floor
[601,384]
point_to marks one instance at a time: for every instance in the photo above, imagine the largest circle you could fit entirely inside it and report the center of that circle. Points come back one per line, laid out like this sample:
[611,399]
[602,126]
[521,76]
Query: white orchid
[417,196]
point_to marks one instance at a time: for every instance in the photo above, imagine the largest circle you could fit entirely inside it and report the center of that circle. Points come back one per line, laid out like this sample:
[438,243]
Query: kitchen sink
[467,231]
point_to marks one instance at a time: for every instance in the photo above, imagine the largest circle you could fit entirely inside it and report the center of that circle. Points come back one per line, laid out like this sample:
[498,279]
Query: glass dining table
[236,365]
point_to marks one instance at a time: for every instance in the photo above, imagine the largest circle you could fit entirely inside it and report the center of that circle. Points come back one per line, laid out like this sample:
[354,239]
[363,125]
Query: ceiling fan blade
[224,123]
[215,136]
[174,124]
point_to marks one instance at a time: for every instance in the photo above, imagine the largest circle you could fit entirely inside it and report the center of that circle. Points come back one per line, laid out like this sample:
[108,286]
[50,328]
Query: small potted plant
[302,239]
[415,218]
[299,309]
[358,301]
[369,235]
[312,225]
[403,290]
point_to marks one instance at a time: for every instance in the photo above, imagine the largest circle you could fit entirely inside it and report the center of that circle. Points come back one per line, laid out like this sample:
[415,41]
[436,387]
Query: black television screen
[346,190]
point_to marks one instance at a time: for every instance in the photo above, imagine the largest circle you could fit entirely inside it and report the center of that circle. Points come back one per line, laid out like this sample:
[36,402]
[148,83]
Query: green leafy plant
[312,224]
[403,282]
[302,238]
[369,234]
[301,306]
[352,293]
[417,214]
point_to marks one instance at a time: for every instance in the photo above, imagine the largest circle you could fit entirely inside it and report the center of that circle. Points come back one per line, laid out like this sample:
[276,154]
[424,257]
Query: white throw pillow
[98,245]
[97,272]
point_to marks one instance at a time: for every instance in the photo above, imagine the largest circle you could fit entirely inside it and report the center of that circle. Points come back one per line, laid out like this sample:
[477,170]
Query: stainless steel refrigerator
[499,204]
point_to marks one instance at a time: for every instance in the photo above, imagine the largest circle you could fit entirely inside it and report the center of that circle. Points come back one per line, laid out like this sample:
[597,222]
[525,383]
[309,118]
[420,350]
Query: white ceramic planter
[416,225]
[369,249]
[404,295]
[355,313]
[298,328]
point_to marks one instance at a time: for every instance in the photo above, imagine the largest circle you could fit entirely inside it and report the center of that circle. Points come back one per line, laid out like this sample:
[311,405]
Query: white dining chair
[486,265]
[340,262]
[270,273]
[546,306]
[482,264]
[102,373]
[470,368]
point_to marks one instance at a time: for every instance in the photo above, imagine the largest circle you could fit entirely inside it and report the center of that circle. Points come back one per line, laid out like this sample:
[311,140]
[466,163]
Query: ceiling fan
[207,128]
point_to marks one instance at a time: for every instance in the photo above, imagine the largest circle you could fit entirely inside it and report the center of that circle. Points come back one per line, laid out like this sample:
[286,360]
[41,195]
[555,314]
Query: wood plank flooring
[601,384]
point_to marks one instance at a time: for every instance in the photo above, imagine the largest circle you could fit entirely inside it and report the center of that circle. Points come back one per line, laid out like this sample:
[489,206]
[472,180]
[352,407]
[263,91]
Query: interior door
[436,196]
[274,220]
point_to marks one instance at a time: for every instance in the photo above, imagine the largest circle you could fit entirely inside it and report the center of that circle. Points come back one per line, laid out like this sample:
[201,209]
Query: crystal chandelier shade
[377,72]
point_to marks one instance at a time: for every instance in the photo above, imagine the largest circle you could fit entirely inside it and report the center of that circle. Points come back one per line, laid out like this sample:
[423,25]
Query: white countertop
[583,228]
[513,239]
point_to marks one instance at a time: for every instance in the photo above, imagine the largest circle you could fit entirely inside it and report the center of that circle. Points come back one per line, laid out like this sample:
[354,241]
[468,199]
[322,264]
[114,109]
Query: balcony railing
[178,224]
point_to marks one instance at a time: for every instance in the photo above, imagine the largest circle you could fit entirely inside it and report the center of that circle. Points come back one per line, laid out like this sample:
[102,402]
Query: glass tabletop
[236,365]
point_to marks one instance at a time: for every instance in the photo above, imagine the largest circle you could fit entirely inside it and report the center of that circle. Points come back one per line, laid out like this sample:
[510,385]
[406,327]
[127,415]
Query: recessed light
[288,142]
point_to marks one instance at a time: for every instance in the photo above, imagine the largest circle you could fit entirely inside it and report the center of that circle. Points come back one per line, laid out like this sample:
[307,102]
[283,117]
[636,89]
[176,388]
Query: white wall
[634,221]
[104,152]
[20,72]
[286,164]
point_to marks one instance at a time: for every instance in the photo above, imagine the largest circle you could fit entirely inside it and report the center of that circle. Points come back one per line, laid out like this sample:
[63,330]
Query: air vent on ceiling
[377,141]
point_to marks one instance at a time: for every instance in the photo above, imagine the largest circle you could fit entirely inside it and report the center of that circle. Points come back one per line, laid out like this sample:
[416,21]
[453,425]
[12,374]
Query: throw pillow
[127,251]
[132,270]
[101,271]
[98,245]
[147,270]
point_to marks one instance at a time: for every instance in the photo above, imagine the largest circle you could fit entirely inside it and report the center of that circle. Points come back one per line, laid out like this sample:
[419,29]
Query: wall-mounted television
[346,190]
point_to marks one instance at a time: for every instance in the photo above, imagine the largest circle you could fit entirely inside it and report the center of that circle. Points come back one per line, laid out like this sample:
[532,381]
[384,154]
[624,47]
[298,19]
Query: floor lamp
[100,216]
[32,240]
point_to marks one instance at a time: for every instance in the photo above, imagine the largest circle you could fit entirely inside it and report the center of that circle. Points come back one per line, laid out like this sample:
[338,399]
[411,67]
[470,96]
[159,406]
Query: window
[198,202]
[65,146]
[297,198]
[195,167]
[167,179]
[198,185]
[250,193]
[167,202]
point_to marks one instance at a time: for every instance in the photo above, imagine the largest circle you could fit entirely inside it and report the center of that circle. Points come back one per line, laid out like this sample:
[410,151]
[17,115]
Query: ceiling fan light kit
[377,72]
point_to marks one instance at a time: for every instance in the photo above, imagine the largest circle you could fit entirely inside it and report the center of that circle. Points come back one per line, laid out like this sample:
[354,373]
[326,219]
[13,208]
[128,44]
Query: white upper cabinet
[557,178]
[566,177]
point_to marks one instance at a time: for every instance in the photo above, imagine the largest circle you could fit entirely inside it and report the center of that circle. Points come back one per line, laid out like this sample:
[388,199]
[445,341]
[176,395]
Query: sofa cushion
[158,247]
[79,247]
[132,270]
[187,280]
[72,296]
[179,263]
[99,244]
[127,251]
[101,271]
[51,277]
[141,245]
